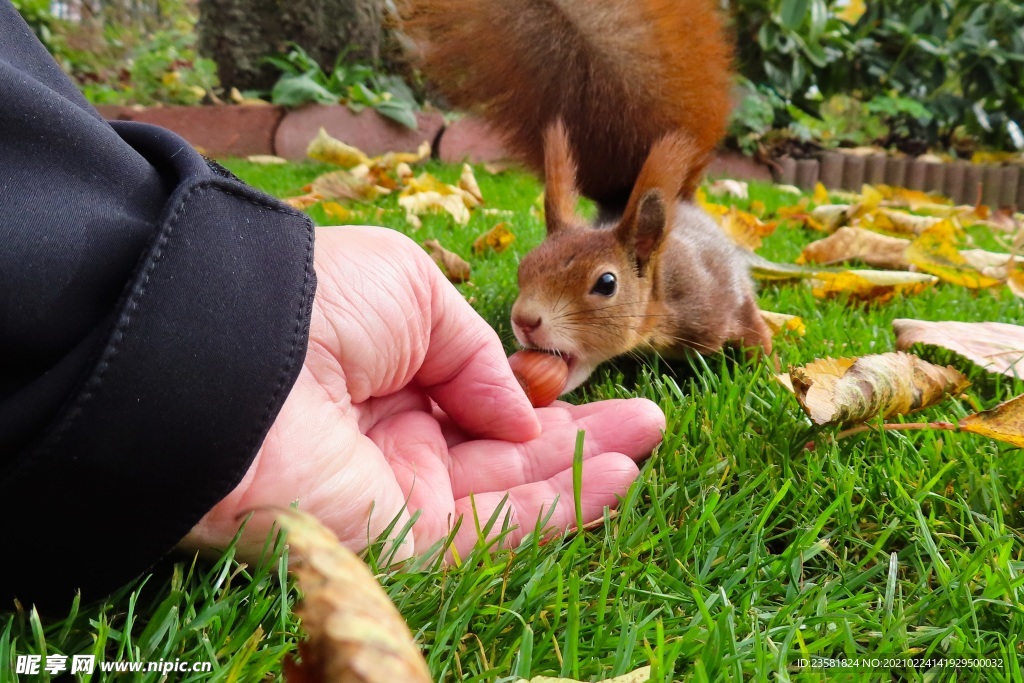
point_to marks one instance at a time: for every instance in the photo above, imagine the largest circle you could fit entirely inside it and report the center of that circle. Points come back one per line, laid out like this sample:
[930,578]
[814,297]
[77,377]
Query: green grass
[737,553]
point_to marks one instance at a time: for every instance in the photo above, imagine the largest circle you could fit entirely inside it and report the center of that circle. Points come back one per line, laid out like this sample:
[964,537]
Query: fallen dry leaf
[268,159]
[345,185]
[642,675]
[431,202]
[497,239]
[935,252]
[782,322]
[996,347]
[896,222]
[333,151]
[1005,422]
[467,182]
[848,390]
[354,632]
[847,244]
[729,188]
[876,286]
[303,201]
[454,266]
[336,211]
[746,229]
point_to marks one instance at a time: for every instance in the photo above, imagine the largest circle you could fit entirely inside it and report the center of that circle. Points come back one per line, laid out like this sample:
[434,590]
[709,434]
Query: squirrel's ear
[559,179]
[642,232]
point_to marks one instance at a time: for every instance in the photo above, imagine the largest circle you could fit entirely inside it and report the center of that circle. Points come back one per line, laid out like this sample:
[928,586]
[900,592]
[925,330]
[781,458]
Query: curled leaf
[333,151]
[1005,422]
[746,229]
[781,322]
[729,188]
[467,182]
[455,268]
[848,390]
[354,632]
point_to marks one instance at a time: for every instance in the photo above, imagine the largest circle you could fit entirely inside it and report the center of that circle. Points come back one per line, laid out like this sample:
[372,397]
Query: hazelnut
[542,375]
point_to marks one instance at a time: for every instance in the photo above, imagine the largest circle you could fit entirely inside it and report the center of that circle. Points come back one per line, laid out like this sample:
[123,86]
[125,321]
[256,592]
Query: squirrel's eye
[605,285]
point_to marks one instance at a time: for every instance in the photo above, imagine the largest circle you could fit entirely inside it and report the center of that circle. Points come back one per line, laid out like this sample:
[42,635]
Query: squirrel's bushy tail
[619,73]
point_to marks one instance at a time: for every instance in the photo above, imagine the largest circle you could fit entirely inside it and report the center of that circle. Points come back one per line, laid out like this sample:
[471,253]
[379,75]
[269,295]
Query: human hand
[406,403]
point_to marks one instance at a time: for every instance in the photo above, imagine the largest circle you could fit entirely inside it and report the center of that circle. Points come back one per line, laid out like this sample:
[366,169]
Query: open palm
[406,403]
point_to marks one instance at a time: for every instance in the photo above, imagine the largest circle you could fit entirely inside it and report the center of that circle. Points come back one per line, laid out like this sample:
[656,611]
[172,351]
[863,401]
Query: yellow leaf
[935,252]
[782,322]
[852,390]
[716,211]
[454,266]
[1005,422]
[354,632]
[831,216]
[845,244]
[336,211]
[852,12]
[758,208]
[820,195]
[746,229]
[897,222]
[333,151]
[876,286]
[496,239]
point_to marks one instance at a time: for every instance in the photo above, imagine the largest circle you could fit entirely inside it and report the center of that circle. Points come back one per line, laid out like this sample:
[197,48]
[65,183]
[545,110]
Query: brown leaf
[846,244]
[454,266]
[848,390]
[496,239]
[1004,422]
[345,185]
[997,347]
[354,632]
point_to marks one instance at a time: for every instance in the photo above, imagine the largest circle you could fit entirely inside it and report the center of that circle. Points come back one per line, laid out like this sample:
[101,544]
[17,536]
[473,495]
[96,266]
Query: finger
[414,446]
[465,370]
[632,427]
[606,478]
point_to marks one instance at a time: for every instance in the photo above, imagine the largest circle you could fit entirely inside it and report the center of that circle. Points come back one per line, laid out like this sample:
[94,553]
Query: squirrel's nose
[526,323]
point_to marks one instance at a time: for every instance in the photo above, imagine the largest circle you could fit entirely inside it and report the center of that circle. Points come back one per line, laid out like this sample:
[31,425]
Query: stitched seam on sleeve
[117,336]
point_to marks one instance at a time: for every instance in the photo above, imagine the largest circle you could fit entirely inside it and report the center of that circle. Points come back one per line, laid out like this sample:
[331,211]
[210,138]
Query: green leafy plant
[358,86]
[961,60]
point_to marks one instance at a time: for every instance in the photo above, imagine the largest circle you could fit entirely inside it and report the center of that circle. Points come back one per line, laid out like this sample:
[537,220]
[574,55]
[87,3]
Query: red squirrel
[624,102]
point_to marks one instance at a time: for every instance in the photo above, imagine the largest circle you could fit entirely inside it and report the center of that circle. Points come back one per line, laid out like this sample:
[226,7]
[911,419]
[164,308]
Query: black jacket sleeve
[154,313]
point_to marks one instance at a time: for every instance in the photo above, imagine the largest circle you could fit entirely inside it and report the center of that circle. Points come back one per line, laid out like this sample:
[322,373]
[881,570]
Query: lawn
[738,552]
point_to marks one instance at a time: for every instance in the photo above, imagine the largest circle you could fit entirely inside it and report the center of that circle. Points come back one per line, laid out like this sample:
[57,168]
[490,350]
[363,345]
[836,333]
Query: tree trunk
[238,34]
